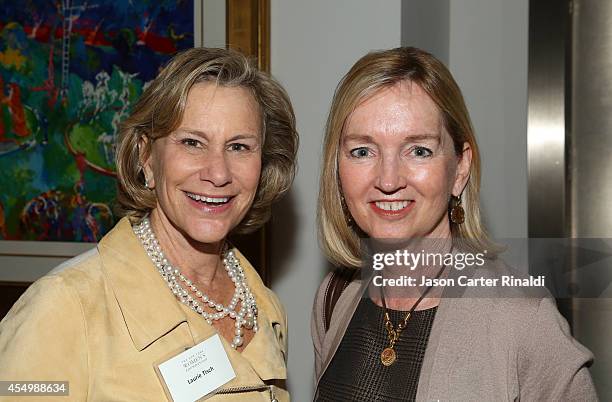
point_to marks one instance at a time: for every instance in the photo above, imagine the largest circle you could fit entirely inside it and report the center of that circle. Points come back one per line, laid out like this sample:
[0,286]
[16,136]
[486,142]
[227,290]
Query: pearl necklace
[246,316]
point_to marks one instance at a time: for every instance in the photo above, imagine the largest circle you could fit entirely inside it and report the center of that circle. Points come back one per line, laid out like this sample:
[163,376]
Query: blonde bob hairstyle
[376,71]
[159,112]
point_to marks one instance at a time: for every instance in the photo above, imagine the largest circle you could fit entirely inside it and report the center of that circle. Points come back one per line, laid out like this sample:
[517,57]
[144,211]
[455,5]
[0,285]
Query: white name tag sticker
[198,371]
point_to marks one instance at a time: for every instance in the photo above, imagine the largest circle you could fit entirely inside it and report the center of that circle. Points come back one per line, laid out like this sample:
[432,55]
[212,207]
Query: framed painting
[70,70]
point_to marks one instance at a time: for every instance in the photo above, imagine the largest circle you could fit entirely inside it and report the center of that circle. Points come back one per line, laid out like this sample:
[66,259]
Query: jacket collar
[149,309]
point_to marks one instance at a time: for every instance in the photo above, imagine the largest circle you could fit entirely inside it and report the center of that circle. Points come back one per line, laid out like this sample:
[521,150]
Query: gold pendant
[388,356]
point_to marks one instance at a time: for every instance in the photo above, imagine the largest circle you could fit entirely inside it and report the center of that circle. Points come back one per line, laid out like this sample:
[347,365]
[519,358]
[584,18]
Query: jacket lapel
[432,357]
[266,357]
[450,335]
[149,309]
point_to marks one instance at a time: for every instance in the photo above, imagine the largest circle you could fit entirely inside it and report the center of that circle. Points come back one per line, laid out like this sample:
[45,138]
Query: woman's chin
[207,233]
[392,234]
[401,232]
[209,237]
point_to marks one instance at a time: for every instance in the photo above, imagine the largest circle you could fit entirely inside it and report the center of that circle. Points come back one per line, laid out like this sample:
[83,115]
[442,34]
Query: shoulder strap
[339,280]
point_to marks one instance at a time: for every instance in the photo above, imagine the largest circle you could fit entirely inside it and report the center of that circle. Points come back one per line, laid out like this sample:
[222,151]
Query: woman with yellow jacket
[164,306]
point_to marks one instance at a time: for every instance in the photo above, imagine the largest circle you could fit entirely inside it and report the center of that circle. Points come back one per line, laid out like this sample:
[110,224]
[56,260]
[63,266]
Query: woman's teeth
[208,200]
[391,205]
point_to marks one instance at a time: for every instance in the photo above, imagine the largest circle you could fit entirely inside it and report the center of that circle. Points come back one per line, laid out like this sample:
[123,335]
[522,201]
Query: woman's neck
[199,262]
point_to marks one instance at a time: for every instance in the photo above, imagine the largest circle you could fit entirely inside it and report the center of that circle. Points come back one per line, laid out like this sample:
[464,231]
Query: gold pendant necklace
[388,356]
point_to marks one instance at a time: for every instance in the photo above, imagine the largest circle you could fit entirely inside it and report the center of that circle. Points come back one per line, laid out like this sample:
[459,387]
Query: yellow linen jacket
[106,318]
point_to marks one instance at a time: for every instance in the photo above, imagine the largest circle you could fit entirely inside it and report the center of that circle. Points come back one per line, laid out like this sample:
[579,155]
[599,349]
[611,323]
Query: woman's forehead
[402,109]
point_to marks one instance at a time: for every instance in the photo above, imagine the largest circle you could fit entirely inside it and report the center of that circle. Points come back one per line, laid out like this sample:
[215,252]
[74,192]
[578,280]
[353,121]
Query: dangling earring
[347,215]
[455,211]
[146,181]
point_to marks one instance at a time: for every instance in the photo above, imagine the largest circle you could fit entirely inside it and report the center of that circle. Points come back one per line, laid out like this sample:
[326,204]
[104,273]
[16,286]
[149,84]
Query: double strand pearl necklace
[180,285]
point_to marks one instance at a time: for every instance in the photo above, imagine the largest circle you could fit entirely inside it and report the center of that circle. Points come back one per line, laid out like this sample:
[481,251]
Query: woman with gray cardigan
[401,162]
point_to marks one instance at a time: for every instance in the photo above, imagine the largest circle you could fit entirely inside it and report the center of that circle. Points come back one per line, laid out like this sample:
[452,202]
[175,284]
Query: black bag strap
[338,281]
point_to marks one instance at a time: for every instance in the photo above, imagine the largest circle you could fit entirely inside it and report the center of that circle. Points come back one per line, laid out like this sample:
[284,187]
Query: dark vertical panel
[549,37]
[548,34]
[548,119]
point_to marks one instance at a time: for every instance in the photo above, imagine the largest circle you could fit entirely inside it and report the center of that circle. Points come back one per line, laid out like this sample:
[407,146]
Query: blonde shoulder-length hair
[375,71]
[159,112]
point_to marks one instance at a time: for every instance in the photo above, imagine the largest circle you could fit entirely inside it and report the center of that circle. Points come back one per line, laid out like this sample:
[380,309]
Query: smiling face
[398,167]
[205,174]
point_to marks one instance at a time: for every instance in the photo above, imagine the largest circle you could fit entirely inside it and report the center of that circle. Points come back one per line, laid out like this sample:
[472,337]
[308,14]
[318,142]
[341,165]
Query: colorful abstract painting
[70,71]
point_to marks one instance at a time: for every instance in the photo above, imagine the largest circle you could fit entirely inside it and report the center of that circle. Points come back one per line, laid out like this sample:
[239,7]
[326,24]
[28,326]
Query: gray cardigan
[480,349]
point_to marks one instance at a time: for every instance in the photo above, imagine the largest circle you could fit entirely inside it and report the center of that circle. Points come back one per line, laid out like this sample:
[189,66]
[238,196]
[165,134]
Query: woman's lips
[392,208]
[213,204]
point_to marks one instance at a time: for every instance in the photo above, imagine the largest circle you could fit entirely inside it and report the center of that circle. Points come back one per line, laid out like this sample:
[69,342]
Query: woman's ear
[144,159]
[464,162]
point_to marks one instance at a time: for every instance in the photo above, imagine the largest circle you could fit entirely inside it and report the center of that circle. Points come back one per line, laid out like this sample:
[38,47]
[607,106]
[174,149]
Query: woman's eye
[360,152]
[421,152]
[239,147]
[190,142]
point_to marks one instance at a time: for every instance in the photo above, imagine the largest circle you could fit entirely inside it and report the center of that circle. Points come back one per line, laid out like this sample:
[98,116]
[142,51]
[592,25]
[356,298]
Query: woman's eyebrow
[423,137]
[186,130]
[245,136]
[358,138]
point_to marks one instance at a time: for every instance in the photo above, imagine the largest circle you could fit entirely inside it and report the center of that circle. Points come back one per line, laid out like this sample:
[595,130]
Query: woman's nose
[216,169]
[390,175]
